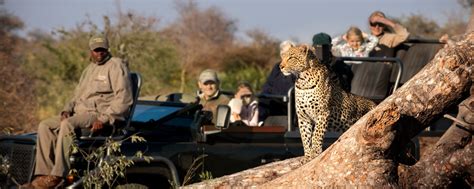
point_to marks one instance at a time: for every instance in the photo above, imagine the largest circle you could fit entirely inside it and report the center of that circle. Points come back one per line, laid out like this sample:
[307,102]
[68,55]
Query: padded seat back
[371,80]
[414,58]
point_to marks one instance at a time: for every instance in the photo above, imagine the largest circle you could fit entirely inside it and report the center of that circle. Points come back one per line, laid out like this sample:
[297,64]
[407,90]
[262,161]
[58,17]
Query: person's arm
[338,40]
[372,42]
[337,44]
[253,119]
[268,86]
[235,108]
[392,39]
[121,85]
[68,108]
[383,20]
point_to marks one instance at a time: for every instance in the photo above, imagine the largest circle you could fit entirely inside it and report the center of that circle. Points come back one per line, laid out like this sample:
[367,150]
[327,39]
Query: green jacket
[212,103]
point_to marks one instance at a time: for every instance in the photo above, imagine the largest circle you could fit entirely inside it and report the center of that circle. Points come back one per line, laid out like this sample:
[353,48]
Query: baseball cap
[98,41]
[208,75]
[321,39]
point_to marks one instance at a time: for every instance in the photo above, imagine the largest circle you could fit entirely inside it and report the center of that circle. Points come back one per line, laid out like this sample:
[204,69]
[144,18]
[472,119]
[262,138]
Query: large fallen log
[365,155]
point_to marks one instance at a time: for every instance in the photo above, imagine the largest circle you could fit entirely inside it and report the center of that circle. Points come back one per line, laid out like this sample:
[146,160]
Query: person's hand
[65,115]
[238,95]
[382,20]
[377,19]
[364,35]
[236,116]
[96,126]
[344,37]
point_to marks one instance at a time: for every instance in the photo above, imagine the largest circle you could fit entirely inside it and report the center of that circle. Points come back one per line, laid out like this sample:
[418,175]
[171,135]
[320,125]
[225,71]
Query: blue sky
[283,19]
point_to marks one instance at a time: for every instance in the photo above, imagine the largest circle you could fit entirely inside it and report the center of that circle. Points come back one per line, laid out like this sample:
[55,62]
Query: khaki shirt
[212,103]
[393,39]
[104,89]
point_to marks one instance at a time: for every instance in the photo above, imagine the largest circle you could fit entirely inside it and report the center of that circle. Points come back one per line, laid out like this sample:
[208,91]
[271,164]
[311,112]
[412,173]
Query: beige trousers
[54,140]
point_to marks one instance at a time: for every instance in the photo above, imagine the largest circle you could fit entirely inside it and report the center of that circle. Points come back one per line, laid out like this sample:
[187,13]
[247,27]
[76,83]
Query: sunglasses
[246,96]
[376,24]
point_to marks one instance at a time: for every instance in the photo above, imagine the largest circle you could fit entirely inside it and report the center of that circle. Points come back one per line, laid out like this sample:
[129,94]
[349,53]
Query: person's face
[354,41]
[208,88]
[375,27]
[99,54]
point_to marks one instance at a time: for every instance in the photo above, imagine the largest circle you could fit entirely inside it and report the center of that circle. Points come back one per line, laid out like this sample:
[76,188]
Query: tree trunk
[365,155]
[183,80]
[449,161]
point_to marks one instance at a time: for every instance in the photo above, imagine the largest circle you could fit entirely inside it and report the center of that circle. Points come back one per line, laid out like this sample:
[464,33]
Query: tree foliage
[202,38]
[17,102]
[57,61]
[169,58]
[421,26]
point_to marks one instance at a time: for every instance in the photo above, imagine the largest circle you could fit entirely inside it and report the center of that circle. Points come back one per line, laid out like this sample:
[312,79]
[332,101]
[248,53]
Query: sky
[297,20]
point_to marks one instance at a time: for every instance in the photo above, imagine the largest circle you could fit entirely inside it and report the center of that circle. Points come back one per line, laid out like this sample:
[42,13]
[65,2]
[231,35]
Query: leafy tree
[419,25]
[168,59]
[250,62]
[202,38]
[469,4]
[17,102]
[58,61]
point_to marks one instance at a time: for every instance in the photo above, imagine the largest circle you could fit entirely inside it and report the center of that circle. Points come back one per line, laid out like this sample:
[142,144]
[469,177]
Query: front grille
[21,157]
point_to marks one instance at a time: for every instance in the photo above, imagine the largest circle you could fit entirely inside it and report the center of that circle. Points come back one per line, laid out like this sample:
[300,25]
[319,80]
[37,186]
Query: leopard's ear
[313,50]
[285,45]
[310,51]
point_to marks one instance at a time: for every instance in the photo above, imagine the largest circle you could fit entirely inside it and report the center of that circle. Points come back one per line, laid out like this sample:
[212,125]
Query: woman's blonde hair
[380,13]
[376,13]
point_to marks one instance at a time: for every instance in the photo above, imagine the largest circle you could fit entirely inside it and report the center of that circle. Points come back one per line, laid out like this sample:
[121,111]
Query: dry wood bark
[365,154]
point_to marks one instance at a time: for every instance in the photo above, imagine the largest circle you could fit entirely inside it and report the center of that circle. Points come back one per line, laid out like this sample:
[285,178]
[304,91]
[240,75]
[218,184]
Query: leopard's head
[297,59]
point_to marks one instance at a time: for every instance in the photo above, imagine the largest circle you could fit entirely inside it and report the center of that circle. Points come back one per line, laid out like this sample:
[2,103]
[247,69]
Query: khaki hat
[98,41]
[208,75]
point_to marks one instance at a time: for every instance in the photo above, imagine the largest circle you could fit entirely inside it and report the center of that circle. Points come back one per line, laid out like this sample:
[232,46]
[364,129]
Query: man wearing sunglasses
[102,98]
[390,34]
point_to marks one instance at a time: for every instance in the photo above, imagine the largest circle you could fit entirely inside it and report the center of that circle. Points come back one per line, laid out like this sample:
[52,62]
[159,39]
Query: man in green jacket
[210,95]
[102,97]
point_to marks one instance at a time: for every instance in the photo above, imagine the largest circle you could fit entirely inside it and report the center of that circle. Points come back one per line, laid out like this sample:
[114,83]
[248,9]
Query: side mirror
[223,115]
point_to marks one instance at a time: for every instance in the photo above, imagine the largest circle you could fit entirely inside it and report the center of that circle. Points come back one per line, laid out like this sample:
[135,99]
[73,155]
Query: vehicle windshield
[145,112]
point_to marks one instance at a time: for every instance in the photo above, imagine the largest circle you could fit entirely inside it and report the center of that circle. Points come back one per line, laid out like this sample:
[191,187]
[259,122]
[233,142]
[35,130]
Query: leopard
[321,104]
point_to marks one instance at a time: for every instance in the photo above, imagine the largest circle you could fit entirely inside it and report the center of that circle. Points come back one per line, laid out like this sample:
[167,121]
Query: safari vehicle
[178,133]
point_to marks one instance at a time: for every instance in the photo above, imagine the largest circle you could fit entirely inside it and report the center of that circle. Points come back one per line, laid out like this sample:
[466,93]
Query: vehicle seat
[136,82]
[278,120]
[414,58]
[371,80]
